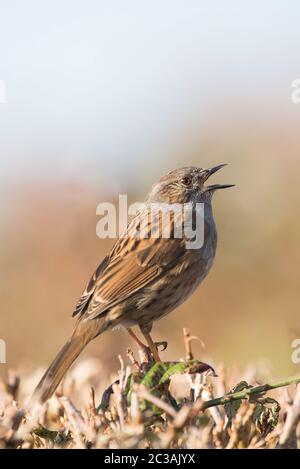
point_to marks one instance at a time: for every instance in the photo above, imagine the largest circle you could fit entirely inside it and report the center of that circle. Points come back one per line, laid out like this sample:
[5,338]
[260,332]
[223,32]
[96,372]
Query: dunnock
[143,277]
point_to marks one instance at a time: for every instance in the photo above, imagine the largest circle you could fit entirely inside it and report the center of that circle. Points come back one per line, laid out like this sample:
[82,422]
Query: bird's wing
[87,293]
[132,265]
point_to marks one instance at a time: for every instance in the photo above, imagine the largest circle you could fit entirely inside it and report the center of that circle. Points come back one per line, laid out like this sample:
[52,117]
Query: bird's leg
[141,345]
[152,346]
[136,339]
[145,348]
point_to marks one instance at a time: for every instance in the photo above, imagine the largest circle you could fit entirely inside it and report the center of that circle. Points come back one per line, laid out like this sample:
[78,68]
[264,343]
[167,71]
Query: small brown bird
[143,277]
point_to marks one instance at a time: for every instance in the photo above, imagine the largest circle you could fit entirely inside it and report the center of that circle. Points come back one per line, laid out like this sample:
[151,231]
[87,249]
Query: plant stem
[246,393]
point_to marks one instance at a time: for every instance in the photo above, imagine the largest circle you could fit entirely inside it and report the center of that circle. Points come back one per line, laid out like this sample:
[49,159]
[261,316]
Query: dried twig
[143,393]
[292,419]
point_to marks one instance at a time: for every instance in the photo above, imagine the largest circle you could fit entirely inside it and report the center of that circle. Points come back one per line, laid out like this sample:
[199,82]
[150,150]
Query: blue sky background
[96,86]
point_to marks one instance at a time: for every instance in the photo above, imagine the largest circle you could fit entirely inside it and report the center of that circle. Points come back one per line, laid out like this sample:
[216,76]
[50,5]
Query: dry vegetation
[165,405]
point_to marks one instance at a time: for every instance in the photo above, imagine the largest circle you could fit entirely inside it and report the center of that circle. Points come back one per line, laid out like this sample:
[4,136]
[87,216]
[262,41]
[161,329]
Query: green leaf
[157,379]
[232,407]
[266,415]
[44,432]
[153,377]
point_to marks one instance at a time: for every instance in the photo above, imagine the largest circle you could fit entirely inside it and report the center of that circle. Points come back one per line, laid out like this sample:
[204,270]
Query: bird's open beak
[209,172]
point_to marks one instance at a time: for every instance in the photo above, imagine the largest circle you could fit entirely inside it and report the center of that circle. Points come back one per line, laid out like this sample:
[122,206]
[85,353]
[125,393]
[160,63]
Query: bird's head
[186,185]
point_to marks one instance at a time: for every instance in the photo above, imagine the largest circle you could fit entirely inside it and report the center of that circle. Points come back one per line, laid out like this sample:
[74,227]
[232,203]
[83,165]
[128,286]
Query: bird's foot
[163,344]
[150,351]
[151,356]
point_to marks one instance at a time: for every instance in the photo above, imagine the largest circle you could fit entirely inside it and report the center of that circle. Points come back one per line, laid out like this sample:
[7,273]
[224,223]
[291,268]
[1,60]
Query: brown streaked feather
[86,295]
[131,266]
[128,278]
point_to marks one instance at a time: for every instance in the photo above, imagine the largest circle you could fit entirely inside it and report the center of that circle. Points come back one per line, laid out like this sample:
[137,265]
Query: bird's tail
[56,371]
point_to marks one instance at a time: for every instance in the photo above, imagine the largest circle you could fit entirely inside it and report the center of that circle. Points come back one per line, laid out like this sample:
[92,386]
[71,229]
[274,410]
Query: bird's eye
[186,180]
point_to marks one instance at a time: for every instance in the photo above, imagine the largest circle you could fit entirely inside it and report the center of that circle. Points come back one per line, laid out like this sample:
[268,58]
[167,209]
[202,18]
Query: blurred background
[103,98]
